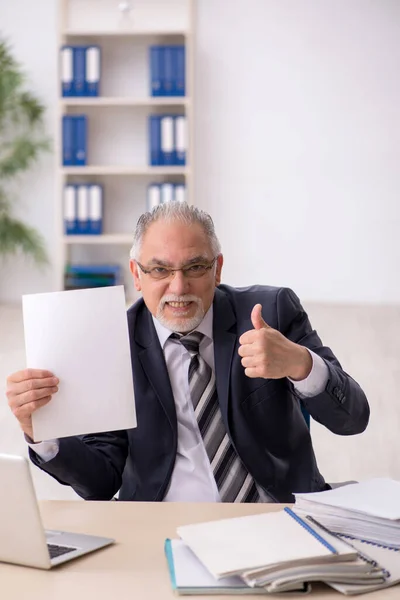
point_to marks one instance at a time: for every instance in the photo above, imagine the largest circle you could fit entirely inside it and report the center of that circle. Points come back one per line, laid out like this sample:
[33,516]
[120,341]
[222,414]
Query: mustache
[173,298]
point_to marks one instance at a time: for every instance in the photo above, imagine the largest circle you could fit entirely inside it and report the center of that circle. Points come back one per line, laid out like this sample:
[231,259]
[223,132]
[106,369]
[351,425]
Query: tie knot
[191,341]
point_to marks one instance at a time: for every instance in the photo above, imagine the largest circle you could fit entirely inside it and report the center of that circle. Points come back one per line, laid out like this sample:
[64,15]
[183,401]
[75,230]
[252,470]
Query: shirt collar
[204,327]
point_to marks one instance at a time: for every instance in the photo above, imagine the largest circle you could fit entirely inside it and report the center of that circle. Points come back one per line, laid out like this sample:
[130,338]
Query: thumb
[256,318]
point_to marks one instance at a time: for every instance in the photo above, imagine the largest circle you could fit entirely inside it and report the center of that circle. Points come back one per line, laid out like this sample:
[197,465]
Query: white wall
[298,133]
[297,138]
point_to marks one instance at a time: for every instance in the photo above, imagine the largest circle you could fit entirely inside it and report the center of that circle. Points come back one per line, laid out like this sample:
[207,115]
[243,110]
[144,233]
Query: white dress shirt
[192,478]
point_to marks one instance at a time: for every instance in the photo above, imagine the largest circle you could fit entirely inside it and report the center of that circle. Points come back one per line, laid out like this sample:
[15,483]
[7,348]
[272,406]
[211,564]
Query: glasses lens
[159,273]
[195,271]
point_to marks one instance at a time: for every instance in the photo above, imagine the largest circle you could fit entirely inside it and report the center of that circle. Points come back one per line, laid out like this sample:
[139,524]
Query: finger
[252,372]
[31,396]
[249,362]
[29,374]
[26,410]
[256,318]
[247,350]
[35,384]
[249,337]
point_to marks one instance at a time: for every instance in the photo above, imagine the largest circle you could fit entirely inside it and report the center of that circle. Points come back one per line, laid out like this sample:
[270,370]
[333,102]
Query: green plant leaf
[21,143]
[20,154]
[17,238]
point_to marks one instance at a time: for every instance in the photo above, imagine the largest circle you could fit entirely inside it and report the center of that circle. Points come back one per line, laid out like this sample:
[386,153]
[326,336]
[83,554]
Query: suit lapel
[224,344]
[153,362]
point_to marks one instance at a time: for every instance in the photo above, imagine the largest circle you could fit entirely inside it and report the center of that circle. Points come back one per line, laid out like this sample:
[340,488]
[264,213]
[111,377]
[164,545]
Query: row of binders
[168,140]
[167,70]
[74,140]
[83,209]
[161,193]
[78,277]
[83,205]
[80,68]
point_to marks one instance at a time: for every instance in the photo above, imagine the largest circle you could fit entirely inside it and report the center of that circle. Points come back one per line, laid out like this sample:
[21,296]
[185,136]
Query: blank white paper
[82,337]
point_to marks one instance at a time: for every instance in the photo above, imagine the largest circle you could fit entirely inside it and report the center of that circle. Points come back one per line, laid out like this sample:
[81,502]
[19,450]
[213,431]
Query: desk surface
[135,567]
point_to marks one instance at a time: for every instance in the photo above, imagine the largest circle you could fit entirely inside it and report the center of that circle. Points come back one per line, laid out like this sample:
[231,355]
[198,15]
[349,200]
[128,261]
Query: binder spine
[153,196]
[80,140]
[69,209]
[83,209]
[95,209]
[66,71]
[180,140]
[169,72]
[156,71]
[167,140]
[155,140]
[68,140]
[79,70]
[179,70]
[93,67]
[310,530]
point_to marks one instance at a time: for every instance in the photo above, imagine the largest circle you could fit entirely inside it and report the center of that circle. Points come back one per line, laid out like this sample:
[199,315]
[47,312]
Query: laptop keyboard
[56,551]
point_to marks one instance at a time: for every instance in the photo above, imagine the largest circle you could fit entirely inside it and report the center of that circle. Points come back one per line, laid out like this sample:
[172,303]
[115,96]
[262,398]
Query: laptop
[23,540]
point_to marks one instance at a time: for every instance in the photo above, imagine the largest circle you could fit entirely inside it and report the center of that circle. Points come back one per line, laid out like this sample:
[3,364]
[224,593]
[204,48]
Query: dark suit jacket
[262,416]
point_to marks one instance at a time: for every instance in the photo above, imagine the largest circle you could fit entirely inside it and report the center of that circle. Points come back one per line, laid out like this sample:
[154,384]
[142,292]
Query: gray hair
[174,211]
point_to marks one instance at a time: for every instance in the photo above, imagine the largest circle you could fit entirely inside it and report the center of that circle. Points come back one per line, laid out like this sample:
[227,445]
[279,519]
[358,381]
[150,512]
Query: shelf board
[122,33]
[121,101]
[108,238]
[124,170]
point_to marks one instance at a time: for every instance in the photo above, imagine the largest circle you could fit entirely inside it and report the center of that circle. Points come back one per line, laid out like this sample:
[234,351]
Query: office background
[297,133]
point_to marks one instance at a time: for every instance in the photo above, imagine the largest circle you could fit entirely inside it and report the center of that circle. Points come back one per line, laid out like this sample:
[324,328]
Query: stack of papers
[369,510]
[275,552]
[190,577]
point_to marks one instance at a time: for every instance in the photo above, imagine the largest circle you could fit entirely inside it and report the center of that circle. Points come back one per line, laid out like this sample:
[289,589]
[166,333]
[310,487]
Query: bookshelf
[117,142]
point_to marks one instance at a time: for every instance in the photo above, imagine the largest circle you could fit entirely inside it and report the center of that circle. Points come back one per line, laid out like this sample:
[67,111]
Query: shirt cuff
[45,450]
[316,381]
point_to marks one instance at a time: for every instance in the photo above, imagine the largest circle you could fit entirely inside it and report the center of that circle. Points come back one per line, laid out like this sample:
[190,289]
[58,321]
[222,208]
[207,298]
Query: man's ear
[218,270]
[136,275]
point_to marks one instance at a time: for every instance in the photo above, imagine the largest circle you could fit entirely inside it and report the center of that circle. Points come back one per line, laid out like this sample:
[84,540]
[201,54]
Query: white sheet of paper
[82,337]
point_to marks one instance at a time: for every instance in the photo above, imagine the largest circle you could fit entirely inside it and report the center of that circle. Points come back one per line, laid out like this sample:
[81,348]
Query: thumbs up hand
[268,354]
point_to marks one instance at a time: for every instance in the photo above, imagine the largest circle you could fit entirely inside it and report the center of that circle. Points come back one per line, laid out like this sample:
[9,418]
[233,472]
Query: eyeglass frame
[170,270]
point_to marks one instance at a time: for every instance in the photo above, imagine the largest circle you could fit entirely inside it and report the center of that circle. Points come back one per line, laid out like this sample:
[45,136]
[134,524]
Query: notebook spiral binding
[351,537]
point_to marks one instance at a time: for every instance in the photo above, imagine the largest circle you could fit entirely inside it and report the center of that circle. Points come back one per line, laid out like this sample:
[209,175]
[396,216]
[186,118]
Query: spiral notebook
[273,541]
[388,558]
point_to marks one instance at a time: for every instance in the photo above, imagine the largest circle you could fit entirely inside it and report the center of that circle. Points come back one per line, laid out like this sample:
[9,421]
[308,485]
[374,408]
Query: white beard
[181,324]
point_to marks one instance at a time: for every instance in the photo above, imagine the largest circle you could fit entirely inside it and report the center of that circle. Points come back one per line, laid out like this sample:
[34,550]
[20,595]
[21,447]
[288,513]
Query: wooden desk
[135,567]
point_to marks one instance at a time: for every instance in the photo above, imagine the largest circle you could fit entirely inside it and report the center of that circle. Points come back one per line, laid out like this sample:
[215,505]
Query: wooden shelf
[108,238]
[121,101]
[123,33]
[124,170]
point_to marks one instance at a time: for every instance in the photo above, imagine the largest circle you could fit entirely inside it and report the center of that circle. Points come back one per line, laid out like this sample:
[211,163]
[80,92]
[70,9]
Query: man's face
[179,301]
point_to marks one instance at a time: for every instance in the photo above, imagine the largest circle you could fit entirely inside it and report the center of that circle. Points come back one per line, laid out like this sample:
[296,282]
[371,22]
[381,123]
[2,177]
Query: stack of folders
[367,514]
[80,68]
[168,140]
[167,70]
[83,209]
[161,193]
[74,140]
[79,277]
[274,552]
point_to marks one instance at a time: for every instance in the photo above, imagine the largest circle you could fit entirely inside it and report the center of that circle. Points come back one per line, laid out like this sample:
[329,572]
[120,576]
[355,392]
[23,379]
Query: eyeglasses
[194,271]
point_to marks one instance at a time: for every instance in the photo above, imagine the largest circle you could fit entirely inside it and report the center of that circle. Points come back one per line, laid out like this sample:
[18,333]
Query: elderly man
[220,375]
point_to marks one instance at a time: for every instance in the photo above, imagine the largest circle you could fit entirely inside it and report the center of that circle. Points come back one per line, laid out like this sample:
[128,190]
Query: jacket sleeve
[342,407]
[91,464]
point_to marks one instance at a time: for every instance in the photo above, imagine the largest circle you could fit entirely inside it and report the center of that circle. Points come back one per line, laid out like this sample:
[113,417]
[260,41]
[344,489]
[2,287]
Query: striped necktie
[234,482]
